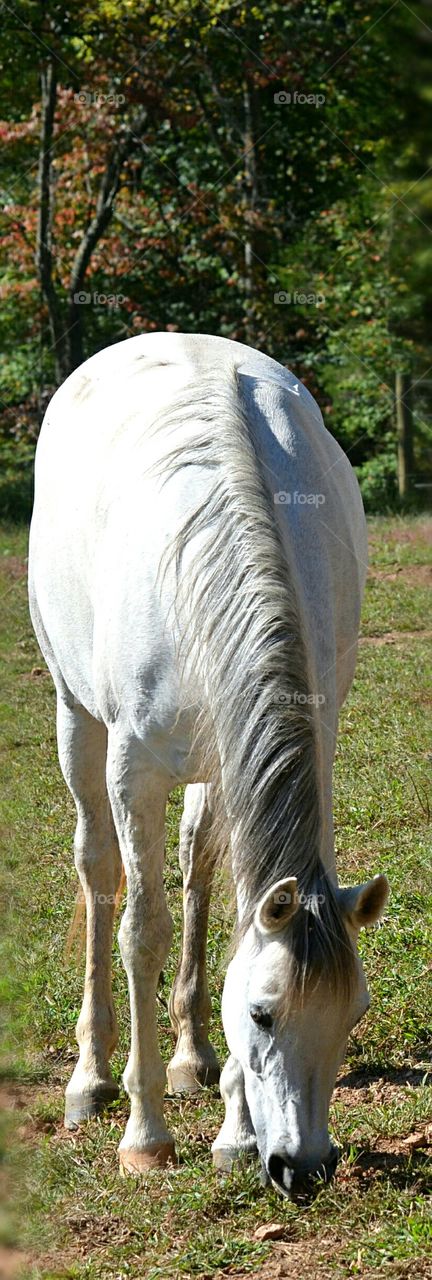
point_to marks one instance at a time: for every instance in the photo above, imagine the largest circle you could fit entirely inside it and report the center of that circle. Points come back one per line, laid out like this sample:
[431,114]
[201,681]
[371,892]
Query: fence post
[404,420]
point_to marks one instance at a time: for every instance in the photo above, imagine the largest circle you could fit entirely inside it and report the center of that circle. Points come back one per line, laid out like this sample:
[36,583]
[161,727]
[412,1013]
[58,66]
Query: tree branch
[105,201]
[43,255]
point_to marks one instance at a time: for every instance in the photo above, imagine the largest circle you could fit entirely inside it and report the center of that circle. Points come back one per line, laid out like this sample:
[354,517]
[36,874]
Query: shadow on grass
[364,1076]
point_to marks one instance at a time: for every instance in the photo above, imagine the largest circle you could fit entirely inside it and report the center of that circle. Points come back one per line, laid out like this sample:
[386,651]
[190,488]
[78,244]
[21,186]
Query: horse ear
[277,907]
[364,905]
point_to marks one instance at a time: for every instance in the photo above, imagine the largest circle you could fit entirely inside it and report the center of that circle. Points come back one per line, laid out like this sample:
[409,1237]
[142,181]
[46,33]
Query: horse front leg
[138,797]
[194,1063]
[237,1137]
[82,746]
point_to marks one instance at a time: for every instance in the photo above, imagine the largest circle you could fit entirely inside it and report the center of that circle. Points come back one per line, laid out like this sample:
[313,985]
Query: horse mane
[242,636]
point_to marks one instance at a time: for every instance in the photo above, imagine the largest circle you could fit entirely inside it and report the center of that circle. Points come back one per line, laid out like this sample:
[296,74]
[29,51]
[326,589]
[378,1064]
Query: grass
[69,1216]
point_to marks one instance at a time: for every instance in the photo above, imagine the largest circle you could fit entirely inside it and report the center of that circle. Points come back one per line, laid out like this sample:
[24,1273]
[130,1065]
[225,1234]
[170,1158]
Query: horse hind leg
[194,1063]
[82,745]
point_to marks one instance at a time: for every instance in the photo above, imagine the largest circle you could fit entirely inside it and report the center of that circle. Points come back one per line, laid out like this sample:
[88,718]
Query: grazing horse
[197,562]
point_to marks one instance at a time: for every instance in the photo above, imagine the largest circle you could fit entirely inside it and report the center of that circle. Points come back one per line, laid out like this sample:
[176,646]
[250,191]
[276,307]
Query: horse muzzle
[293,1179]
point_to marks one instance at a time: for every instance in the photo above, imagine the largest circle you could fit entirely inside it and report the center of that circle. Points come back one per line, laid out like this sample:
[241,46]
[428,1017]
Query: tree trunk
[250,201]
[105,203]
[44,255]
[404,418]
[66,316]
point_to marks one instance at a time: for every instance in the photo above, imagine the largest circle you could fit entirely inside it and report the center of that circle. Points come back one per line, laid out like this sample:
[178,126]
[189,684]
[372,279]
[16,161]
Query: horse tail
[76,934]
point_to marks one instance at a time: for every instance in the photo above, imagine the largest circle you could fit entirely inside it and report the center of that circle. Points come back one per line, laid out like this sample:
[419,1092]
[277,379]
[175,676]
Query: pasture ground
[68,1215]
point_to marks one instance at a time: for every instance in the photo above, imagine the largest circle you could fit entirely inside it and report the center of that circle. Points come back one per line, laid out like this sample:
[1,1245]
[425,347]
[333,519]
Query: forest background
[260,171]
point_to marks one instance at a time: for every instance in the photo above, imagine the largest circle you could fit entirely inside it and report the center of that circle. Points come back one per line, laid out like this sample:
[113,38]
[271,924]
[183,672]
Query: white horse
[197,561]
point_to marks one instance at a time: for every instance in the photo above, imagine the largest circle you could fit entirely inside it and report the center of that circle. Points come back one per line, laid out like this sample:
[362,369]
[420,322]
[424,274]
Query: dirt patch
[409,534]
[417,1140]
[379,1153]
[405,1169]
[17,1096]
[326,1258]
[36,673]
[387,1094]
[298,1259]
[14,567]
[395,637]
[15,1264]
[290,1260]
[99,1231]
[12,1262]
[20,1100]
[358,1088]
[415,575]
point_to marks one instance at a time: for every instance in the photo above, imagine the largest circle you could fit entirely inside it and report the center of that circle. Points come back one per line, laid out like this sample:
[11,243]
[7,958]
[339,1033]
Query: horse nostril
[327,1169]
[293,1180]
[281,1172]
[331,1164]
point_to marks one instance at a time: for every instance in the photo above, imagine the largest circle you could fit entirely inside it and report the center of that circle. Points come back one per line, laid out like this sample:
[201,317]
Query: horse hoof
[188,1077]
[84,1106]
[156,1156]
[224,1158]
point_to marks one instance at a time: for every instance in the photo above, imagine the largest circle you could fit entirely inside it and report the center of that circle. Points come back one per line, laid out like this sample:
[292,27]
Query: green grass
[68,1209]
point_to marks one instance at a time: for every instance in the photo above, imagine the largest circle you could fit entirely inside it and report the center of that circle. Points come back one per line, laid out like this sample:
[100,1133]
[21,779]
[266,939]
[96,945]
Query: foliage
[16,475]
[377,478]
[180,194]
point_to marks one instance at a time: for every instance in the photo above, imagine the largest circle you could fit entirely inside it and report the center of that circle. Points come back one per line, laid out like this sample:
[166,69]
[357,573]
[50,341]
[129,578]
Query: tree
[66,320]
[218,167]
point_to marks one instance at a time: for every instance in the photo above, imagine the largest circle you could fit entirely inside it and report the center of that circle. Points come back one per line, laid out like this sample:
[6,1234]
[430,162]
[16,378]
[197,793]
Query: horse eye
[261,1017]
